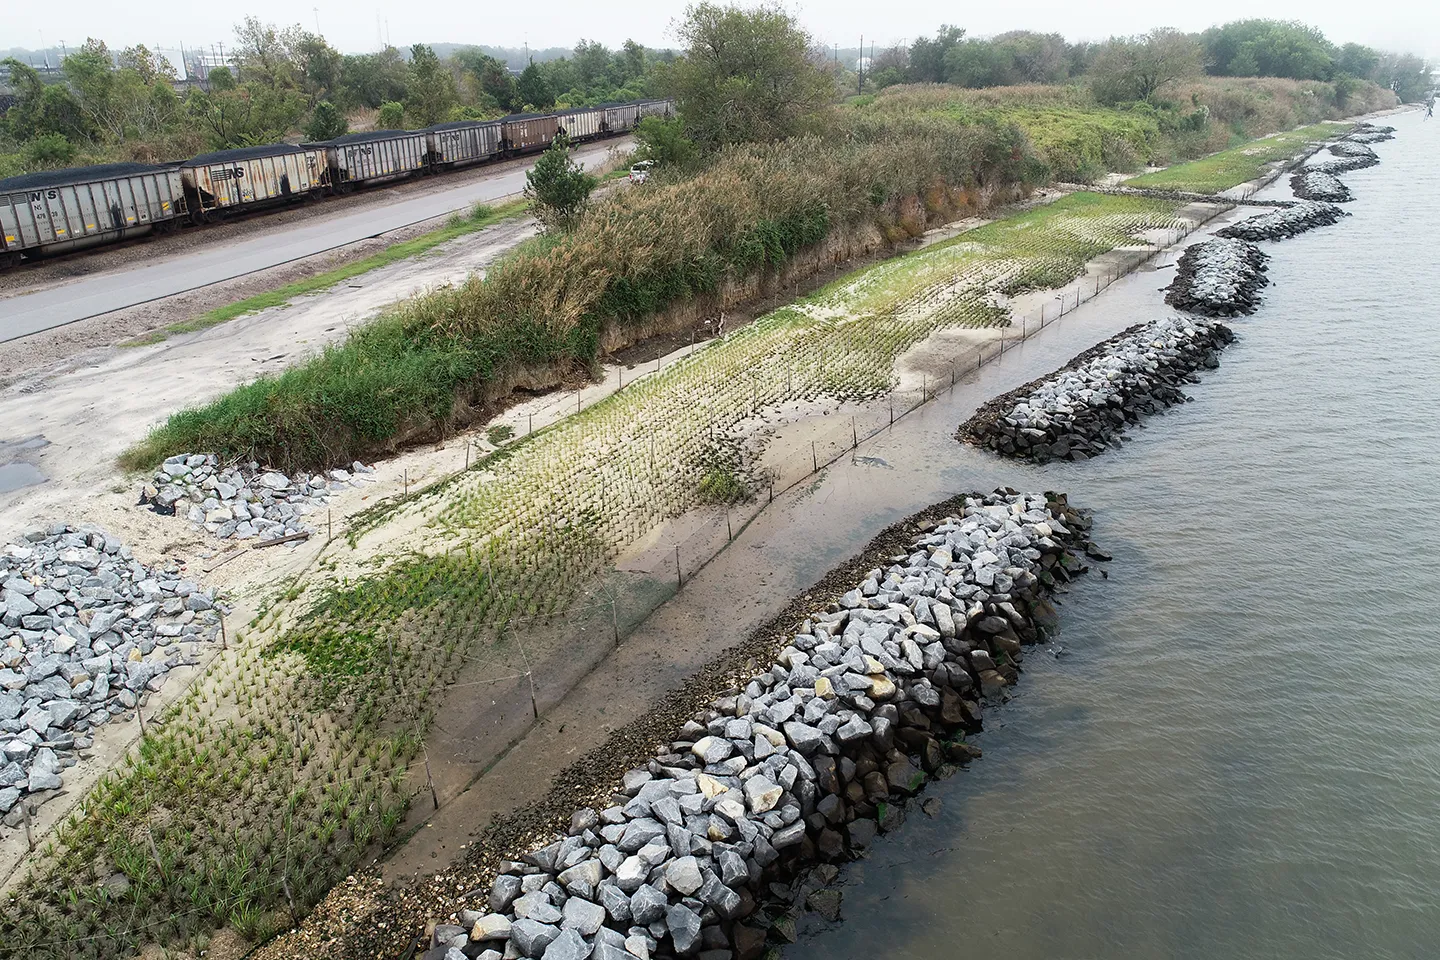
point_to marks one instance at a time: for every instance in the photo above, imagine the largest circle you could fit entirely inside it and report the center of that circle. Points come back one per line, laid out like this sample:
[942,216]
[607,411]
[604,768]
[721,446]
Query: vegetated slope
[541,313]
[1080,139]
[276,812]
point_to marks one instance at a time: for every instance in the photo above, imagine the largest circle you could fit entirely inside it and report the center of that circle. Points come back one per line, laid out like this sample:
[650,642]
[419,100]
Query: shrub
[326,122]
[392,116]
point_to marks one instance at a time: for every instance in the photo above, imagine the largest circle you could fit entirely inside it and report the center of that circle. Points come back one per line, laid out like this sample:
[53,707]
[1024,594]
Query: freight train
[61,210]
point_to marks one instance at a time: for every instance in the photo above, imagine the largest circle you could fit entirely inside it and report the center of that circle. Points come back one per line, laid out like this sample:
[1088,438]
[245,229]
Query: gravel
[754,825]
[1082,409]
[1219,278]
[243,502]
[86,634]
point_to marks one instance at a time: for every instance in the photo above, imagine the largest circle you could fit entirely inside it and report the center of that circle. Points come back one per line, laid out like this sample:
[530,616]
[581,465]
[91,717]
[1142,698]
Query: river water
[1238,753]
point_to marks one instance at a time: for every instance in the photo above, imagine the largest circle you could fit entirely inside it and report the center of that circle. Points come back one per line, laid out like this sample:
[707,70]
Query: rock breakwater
[1313,183]
[1083,408]
[1338,165]
[242,501]
[710,848]
[1371,133]
[1219,278]
[1285,222]
[86,632]
[1349,148]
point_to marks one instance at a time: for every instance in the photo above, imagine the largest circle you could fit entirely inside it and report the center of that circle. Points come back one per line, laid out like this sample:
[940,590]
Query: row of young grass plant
[299,752]
[1230,168]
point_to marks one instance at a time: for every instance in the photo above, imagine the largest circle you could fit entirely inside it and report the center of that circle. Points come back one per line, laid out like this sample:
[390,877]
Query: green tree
[392,115]
[532,90]
[747,74]
[431,88]
[927,57]
[663,141]
[47,152]
[492,81]
[558,188]
[326,122]
[42,108]
[1136,68]
[1268,48]
[1357,60]
[221,79]
[370,79]
[151,68]
[248,115]
[261,56]
[979,63]
[1408,75]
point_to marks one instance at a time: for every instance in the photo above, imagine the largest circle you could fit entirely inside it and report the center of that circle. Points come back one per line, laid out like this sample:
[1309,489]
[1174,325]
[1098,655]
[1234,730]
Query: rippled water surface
[1238,754]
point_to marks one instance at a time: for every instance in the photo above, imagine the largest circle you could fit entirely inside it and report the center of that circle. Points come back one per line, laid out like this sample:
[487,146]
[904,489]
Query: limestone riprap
[861,705]
[86,632]
[1082,409]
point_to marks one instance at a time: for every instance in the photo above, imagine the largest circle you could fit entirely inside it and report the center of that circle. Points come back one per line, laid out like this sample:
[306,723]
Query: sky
[1408,25]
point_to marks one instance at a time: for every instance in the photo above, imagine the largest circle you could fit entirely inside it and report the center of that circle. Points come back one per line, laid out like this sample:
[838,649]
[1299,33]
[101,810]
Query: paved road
[90,296]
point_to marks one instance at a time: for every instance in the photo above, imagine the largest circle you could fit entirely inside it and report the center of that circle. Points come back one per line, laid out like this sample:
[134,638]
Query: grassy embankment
[229,813]
[540,315]
[1230,168]
[478,218]
[1080,140]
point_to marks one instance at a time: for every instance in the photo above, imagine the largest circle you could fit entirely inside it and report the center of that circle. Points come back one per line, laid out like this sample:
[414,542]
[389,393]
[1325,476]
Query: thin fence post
[224,640]
[854,435]
[407,481]
[532,424]
[330,514]
[679,577]
[25,813]
[814,458]
[467,454]
[729,533]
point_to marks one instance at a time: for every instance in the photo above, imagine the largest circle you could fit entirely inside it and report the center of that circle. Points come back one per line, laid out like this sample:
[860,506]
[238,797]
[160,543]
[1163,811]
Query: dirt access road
[28,313]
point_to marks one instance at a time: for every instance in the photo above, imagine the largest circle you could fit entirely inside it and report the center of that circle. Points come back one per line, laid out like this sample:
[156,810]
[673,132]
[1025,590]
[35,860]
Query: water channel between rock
[1237,753]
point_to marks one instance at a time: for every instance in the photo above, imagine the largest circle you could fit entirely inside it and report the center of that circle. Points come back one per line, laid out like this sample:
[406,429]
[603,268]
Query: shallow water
[1238,754]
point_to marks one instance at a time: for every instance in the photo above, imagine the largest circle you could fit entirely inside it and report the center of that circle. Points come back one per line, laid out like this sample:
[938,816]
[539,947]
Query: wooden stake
[814,458]
[729,533]
[679,578]
[854,435]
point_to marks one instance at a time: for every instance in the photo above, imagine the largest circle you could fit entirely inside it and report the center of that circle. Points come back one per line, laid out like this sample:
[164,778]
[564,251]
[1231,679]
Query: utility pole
[860,67]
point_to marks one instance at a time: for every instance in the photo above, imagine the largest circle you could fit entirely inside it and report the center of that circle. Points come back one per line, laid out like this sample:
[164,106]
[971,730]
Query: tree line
[131,106]
[1125,68]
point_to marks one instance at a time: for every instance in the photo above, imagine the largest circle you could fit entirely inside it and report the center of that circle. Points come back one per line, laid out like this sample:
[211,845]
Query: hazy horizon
[1403,26]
